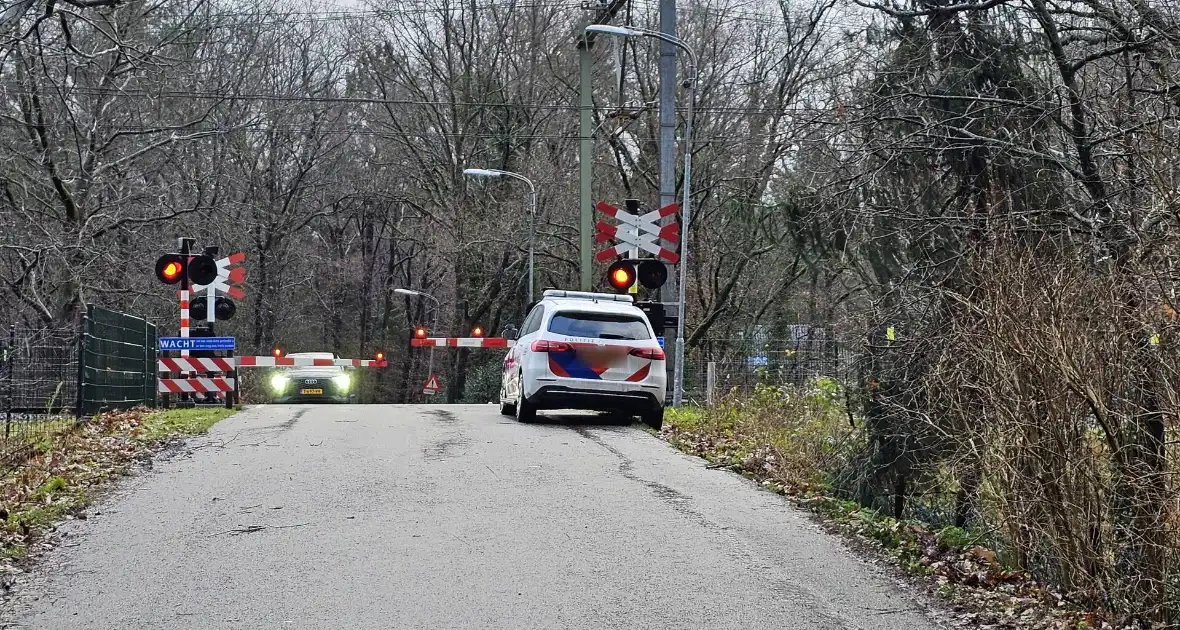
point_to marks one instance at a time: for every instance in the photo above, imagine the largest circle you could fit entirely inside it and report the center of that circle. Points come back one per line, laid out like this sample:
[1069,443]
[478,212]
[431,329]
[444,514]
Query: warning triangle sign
[431,386]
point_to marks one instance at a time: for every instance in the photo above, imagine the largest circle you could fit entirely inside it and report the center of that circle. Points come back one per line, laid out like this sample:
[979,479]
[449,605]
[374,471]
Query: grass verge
[67,468]
[790,440]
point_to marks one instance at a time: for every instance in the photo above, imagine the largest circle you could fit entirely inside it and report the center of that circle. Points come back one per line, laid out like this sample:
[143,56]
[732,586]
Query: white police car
[593,351]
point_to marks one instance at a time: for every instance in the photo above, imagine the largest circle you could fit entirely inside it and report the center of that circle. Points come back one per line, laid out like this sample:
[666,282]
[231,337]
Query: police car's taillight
[655,354]
[550,346]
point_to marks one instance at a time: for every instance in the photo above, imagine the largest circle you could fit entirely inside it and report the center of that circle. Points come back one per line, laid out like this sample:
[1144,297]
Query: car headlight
[342,381]
[279,382]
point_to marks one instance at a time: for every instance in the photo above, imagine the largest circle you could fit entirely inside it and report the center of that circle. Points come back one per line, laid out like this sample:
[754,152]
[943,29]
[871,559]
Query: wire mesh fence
[38,387]
[50,377]
[719,368]
[117,363]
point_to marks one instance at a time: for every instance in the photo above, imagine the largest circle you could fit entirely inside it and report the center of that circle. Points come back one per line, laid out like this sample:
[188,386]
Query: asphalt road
[383,517]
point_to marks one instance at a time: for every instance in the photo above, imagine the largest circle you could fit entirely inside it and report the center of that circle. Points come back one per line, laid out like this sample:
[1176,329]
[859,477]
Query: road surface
[384,517]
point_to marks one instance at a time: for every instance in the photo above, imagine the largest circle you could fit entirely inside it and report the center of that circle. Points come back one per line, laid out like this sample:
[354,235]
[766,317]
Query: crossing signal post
[196,274]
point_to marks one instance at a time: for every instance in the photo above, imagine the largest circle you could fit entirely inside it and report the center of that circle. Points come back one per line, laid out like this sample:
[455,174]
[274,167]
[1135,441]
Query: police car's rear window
[599,326]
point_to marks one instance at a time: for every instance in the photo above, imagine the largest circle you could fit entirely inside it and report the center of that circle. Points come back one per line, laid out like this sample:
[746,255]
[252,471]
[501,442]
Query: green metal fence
[117,356]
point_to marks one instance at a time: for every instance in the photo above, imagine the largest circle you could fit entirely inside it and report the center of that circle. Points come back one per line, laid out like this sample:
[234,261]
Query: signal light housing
[223,308]
[649,272]
[380,356]
[621,275]
[202,269]
[419,333]
[170,268]
[477,332]
[652,273]
[277,352]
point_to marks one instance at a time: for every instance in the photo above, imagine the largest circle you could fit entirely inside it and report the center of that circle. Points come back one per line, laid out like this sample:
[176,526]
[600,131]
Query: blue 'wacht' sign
[198,343]
[661,341]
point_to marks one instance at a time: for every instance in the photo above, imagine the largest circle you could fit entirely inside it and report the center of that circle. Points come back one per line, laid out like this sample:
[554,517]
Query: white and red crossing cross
[637,231]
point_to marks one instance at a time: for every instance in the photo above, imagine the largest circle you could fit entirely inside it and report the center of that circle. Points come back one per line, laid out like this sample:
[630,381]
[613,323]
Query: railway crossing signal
[173,268]
[477,332]
[419,333]
[649,272]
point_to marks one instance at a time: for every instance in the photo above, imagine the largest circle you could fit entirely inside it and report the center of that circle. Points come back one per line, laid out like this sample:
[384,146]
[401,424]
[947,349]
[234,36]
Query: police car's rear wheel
[525,411]
[654,419]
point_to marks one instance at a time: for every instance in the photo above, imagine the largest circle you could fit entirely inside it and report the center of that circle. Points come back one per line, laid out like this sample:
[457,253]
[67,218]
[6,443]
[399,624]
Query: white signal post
[691,80]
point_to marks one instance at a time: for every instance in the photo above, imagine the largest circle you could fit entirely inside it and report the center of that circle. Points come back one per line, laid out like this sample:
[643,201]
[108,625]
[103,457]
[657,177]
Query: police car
[592,351]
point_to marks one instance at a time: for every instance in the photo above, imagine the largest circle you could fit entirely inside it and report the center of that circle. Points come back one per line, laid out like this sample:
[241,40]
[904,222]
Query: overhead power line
[358,100]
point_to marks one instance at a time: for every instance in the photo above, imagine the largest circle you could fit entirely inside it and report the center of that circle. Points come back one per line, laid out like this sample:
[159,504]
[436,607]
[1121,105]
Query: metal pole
[667,119]
[532,235]
[434,327]
[585,162]
[710,382]
[10,364]
[678,392]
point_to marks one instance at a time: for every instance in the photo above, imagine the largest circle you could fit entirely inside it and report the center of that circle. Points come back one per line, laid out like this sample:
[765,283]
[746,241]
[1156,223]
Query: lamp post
[691,81]
[433,325]
[487,172]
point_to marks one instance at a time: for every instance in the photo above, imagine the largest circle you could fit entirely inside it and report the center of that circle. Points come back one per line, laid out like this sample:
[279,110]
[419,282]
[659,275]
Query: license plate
[309,392]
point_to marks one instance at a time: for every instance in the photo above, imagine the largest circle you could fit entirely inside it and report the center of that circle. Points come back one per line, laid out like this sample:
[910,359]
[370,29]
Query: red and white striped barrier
[261,361]
[461,342]
[193,385]
[189,364]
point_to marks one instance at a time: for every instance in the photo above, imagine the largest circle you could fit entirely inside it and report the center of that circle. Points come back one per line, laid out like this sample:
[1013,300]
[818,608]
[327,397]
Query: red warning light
[380,356]
[420,333]
[170,268]
[621,276]
[277,352]
[477,332]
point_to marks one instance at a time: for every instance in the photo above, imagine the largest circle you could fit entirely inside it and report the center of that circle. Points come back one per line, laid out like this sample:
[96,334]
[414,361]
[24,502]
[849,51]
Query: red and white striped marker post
[184,319]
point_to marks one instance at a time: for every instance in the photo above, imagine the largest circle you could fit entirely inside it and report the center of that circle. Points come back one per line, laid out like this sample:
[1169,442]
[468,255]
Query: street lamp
[433,325]
[691,82]
[487,172]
